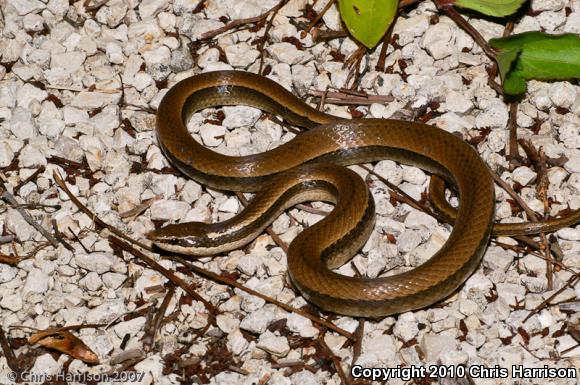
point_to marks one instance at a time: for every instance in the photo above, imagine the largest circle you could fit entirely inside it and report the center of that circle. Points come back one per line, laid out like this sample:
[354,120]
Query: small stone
[114,53]
[164,185]
[33,22]
[21,123]
[91,281]
[477,287]
[535,284]
[31,157]
[181,60]
[273,344]
[288,53]
[436,315]
[190,192]
[207,57]
[418,220]
[547,5]
[73,115]
[15,224]
[237,343]
[6,154]
[534,265]
[468,307]
[573,164]
[497,258]
[541,99]
[113,13]
[454,358]
[130,327]
[212,135]
[12,301]
[167,21]
[377,110]
[511,292]
[227,322]
[240,116]
[391,170]
[231,205]
[446,324]
[304,377]
[408,241]
[414,175]
[158,55]
[241,55]
[523,175]
[406,327]
[331,17]
[495,115]
[69,149]
[152,367]
[114,280]
[7,273]
[149,8]
[45,363]
[69,62]
[24,7]
[172,210]
[438,40]
[94,100]
[569,234]
[98,262]
[106,312]
[257,321]
[409,28]
[458,102]
[301,325]
[248,264]
[435,346]
[562,94]
[36,282]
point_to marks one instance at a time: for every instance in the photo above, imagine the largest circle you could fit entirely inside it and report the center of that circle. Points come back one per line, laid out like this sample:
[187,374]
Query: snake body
[311,167]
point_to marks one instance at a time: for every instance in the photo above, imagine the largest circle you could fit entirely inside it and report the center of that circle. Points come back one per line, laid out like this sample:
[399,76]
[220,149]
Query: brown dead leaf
[64,342]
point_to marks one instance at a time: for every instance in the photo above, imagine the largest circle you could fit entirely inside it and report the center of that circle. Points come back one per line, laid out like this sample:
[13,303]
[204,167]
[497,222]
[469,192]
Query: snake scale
[311,166]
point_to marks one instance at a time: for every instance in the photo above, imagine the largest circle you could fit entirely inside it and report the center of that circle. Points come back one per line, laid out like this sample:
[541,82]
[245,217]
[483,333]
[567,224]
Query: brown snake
[311,167]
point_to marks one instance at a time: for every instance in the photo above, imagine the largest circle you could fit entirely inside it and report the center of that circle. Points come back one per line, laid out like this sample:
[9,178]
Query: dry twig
[9,353]
[570,283]
[9,198]
[152,327]
[335,361]
[403,197]
[467,27]
[95,218]
[513,154]
[264,39]
[165,272]
[269,230]
[333,97]
[231,282]
[240,22]
[317,18]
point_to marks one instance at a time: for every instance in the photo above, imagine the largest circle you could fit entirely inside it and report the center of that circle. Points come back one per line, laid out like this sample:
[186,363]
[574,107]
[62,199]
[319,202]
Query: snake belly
[311,166]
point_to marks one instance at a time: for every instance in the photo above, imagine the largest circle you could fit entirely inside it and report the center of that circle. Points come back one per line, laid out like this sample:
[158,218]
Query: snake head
[201,239]
[184,238]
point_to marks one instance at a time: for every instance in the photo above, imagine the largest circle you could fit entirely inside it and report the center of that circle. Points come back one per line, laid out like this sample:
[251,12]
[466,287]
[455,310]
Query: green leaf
[496,8]
[536,55]
[368,20]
